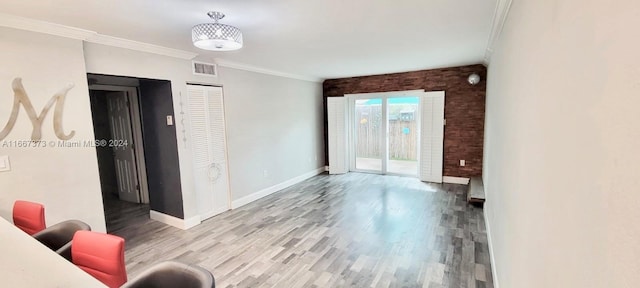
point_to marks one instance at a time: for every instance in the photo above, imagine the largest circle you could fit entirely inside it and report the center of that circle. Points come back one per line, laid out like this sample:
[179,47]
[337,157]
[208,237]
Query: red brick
[464,108]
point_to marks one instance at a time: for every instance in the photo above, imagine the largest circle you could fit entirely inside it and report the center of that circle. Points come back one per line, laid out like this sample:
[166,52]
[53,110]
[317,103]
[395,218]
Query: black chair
[58,237]
[173,274]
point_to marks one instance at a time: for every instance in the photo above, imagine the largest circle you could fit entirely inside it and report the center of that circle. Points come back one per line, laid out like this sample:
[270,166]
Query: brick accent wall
[464,108]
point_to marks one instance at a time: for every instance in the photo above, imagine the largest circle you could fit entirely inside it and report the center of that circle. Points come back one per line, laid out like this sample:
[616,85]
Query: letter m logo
[20,97]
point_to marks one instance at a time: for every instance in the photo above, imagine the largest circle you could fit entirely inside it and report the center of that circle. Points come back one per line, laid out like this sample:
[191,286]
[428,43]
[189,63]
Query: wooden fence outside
[403,135]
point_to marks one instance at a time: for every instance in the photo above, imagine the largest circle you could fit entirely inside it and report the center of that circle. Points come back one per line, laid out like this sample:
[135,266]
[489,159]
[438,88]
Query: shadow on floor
[120,215]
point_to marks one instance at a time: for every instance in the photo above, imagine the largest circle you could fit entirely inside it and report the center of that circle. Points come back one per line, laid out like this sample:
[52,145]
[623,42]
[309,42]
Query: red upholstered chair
[29,216]
[101,255]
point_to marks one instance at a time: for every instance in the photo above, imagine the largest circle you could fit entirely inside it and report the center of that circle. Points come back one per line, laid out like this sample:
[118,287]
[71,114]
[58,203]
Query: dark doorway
[136,150]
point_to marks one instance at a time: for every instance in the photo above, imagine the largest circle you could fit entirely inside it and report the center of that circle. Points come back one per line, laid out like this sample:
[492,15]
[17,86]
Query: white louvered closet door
[208,144]
[337,126]
[431,136]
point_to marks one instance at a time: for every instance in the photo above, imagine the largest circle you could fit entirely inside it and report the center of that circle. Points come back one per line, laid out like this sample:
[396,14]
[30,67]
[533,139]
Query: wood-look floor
[352,230]
[120,214]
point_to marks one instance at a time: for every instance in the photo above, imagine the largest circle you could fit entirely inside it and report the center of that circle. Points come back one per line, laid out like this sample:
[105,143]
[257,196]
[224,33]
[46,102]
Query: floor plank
[121,214]
[352,230]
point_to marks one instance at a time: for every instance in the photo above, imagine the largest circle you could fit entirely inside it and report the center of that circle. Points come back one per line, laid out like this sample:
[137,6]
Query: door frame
[136,128]
[351,101]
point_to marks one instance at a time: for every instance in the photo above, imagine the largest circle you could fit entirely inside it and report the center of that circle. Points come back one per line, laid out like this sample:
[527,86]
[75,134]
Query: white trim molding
[499,18]
[140,46]
[39,26]
[245,67]
[455,180]
[17,22]
[494,271]
[22,23]
[275,188]
[408,93]
[211,214]
[183,224]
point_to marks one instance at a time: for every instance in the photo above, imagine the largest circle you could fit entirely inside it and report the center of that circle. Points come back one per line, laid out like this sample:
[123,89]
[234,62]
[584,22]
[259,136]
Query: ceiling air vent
[204,69]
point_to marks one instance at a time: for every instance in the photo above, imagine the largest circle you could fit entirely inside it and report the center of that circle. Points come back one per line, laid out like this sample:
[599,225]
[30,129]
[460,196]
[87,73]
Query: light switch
[4,163]
[169,120]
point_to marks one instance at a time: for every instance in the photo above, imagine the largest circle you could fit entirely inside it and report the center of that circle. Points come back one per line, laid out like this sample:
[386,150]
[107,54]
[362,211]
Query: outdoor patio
[404,167]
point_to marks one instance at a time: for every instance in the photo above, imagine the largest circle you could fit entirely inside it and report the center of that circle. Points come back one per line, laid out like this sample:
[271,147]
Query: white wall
[561,141]
[102,59]
[65,180]
[274,124]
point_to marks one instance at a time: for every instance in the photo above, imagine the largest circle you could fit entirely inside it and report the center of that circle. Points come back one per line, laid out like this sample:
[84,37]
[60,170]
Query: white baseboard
[191,222]
[183,224]
[326,168]
[455,180]
[213,213]
[275,188]
[494,272]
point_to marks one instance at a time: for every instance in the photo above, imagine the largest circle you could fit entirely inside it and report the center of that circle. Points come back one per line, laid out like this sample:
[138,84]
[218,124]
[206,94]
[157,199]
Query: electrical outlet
[265,173]
[462,163]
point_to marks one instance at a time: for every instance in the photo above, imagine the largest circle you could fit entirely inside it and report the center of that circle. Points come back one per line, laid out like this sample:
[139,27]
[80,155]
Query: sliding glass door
[385,134]
[368,134]
[402,140]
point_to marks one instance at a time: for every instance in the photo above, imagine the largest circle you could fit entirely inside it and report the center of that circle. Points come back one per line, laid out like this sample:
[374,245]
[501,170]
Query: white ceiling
[311,38]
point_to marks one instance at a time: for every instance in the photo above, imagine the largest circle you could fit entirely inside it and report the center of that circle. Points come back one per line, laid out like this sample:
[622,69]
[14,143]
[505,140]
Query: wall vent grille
[204,69]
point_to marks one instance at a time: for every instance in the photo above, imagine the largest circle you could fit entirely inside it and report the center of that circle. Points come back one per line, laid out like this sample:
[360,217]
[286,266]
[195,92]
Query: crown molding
[140,46]
[28,24]
[39,26]
[499,18]
[245,67]
[44,27]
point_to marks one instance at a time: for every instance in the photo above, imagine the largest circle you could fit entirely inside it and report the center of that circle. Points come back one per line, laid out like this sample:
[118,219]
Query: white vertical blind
[337,126]
[208,139]
[431,136]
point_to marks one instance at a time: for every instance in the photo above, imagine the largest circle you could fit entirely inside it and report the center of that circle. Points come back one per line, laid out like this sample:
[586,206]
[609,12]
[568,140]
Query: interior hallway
[120,214]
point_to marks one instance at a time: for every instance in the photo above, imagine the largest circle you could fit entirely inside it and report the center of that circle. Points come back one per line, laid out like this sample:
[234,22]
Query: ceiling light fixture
[216,36]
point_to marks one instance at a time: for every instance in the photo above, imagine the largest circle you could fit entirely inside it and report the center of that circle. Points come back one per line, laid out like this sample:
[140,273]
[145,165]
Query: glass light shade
[216,37]
[473,79]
